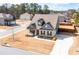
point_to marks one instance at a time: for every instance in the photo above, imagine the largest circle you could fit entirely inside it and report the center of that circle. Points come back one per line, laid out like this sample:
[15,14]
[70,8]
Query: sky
[62,6]
[53,4]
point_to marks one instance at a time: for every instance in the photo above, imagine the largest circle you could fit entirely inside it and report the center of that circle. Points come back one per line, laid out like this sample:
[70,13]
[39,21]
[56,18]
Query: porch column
[45,32]
[35,32]
[39,32]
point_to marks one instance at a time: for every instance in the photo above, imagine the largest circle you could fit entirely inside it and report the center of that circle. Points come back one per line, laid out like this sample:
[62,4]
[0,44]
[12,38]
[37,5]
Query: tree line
[17,9]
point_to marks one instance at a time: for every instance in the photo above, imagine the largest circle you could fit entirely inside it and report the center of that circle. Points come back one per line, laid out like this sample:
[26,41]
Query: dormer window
[48,26]
[41,22]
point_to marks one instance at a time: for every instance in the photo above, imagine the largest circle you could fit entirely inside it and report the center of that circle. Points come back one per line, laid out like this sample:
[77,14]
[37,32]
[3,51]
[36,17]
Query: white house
[44,25]
[26,16]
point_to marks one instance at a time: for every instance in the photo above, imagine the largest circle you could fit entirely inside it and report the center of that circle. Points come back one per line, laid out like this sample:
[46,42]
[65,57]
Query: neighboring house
[63,18]
[26,16]
[6,19]
[44,25]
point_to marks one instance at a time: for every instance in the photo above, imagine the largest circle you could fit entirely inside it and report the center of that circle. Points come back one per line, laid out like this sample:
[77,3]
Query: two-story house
[44,25]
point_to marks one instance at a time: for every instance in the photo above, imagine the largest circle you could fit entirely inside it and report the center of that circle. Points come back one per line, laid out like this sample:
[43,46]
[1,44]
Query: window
[41,22]
[49,33]
[42,32]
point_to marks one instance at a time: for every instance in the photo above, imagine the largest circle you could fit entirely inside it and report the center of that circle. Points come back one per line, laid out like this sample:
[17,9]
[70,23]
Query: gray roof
[63,17]
[6,16]
[47,26]
[2,16]
[9,16]
[52,18]
[26,16]
[32,26]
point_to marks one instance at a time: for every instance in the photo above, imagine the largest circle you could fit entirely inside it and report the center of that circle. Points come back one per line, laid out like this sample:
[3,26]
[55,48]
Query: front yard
[24,42]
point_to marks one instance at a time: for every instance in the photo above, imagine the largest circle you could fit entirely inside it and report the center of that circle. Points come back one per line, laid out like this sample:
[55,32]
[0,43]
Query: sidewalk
[62,45]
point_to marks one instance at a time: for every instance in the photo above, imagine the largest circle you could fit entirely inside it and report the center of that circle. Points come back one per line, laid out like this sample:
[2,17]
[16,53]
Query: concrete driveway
[62,45]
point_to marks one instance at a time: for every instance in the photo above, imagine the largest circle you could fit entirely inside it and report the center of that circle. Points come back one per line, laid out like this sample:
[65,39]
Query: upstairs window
[41,22]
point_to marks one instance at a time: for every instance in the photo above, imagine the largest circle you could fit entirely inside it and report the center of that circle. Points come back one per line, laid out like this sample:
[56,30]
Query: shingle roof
[52,18]
[6,16]
[32,26]
[47,26]
[26,16]
[2,16]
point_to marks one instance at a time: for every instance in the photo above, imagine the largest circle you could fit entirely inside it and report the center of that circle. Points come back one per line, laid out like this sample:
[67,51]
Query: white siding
[53,33]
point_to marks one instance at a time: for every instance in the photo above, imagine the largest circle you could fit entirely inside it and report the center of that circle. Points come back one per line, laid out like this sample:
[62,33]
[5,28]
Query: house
[44,25]
[7,19]
[63,18]
[26,16]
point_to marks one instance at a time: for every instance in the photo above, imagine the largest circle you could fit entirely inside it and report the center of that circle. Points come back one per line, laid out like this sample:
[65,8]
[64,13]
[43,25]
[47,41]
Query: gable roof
[52,18]
[47,26]
[32,26]
[6,16]
[2,16]
[26,16]
[9,16]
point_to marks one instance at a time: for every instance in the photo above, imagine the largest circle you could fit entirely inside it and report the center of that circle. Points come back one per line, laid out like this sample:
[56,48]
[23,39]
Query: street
[7,32]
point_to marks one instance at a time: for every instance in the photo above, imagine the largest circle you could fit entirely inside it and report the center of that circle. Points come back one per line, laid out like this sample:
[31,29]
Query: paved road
[15,51]
[10,31]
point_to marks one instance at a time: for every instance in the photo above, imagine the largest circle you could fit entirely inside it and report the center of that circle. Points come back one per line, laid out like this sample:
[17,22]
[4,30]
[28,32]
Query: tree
[33,8]
[4,8]
[76,17]
[71,12]
[45,9]
[40,11]
[17,9]
[23,7]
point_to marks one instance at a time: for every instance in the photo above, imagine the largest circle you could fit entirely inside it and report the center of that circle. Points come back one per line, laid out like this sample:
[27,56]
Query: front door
[32,31]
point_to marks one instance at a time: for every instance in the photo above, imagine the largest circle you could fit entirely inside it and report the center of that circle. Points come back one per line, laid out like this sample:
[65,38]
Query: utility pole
[13,34]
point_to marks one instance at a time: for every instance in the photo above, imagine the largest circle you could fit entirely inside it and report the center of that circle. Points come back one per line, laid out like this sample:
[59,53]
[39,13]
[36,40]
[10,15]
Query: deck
[66,27]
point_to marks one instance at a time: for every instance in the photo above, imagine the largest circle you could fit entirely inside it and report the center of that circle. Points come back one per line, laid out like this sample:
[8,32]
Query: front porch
[46,34]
